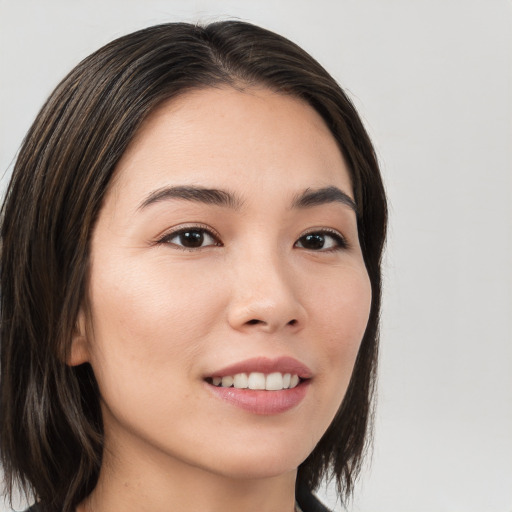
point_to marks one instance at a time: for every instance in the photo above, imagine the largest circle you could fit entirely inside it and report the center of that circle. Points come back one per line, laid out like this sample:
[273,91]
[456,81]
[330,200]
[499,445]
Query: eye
[191,238]
[324,240]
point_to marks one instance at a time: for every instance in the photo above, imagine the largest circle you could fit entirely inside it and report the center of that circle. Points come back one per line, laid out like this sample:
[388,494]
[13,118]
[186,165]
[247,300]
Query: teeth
[274,381]
[240,380]
[256,380]
[227,381]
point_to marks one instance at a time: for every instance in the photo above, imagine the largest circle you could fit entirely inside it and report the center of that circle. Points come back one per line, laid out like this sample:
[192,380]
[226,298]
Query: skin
[161,318]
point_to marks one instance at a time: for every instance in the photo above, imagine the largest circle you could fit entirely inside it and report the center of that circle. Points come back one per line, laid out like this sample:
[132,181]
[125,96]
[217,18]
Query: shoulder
[34,508]
[308,502]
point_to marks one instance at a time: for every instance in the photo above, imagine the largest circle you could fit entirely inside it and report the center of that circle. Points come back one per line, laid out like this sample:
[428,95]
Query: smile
[261,385]
[275,381]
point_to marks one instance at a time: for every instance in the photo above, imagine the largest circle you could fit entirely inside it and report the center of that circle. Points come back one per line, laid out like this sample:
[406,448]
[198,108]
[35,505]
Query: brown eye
[191,238]
[314,241]
[321,241]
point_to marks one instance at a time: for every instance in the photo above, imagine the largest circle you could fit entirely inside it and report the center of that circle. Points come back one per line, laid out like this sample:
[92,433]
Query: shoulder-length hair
[51,426]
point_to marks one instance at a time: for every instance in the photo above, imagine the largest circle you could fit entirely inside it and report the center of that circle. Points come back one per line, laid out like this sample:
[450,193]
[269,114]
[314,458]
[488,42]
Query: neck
[157,482]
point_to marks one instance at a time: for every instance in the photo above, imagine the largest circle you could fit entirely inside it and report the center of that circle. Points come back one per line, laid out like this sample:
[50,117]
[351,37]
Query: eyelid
[176,230]
[343,242]
[181,228]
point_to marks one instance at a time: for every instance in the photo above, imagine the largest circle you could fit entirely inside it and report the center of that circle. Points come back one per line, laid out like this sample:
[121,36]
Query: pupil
[314,241]
[192,238]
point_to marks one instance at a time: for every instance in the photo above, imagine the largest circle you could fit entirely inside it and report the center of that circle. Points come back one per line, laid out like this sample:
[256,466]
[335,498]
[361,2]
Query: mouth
[262,385]
[275,381]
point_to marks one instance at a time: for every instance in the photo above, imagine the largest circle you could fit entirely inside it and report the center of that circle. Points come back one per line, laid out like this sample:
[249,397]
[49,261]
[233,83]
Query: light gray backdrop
[432,80]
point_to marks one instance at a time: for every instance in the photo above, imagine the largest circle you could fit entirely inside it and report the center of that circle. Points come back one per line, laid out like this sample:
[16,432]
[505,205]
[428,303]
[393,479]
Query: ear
[79,350]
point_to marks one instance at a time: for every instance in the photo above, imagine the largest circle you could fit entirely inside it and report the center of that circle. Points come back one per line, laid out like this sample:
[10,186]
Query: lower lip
[262,402]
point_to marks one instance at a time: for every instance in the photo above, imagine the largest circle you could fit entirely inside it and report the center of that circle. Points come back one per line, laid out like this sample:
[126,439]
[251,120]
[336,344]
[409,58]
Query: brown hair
[50,426]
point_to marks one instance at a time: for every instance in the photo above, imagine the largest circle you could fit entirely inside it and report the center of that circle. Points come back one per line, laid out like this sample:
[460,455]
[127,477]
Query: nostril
[255,321]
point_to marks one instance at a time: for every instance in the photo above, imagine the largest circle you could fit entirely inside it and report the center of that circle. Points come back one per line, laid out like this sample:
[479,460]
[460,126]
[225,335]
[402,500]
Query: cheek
[342,312]
[149,322]
[338,315]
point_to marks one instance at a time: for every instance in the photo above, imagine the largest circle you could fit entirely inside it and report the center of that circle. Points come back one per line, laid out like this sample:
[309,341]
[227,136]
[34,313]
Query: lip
[266,365]
[263,402]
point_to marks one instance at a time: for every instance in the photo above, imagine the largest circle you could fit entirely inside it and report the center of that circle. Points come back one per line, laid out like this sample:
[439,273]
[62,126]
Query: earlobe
[79,350]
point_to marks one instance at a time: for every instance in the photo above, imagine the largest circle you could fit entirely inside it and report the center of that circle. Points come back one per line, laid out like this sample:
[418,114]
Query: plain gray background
[433,81]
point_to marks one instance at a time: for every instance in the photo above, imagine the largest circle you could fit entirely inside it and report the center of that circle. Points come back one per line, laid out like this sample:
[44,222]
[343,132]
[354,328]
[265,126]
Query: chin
[260,460]
[258,468]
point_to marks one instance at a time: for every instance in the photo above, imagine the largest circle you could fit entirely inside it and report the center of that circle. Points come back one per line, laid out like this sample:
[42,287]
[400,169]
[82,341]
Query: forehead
[226,137]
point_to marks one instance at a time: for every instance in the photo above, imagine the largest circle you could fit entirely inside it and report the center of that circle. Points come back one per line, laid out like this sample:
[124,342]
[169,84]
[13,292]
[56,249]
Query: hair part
[51,429]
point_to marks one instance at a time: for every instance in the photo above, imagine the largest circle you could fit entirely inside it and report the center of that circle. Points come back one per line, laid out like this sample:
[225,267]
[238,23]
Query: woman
[190,280]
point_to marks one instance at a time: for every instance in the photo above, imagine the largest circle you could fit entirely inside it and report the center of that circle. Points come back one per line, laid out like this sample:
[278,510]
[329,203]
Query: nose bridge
[265,294]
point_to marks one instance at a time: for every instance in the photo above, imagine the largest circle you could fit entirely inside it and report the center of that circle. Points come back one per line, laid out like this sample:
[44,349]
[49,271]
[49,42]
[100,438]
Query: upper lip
[266,365]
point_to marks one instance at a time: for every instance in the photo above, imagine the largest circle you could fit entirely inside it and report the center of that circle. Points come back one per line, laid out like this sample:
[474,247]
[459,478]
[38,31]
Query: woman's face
[227,246]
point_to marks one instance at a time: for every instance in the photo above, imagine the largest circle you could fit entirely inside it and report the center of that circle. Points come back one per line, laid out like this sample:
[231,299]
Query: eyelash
[340,241]
[166,239]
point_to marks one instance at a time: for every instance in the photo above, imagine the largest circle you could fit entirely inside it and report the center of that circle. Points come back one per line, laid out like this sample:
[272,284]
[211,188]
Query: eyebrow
[307,199]
[194,193]
[316,197]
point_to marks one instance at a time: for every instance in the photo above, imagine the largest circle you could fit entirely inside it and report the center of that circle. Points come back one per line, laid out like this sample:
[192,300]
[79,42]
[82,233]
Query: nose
[265,296]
